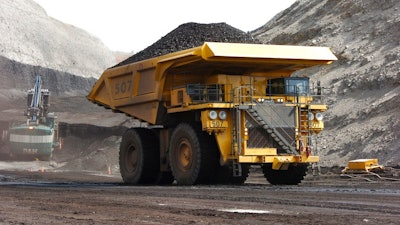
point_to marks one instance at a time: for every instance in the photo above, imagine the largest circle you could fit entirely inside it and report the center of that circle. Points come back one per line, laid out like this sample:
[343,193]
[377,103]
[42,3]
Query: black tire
[138,157]
[192,155]
[165,178]
[292,176]
[224,175]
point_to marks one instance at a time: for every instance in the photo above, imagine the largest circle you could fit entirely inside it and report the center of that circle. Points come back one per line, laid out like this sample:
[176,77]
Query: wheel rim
[132,159]
[184,156]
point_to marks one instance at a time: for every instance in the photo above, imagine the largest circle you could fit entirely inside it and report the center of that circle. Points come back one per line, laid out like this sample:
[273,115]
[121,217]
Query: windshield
[297,86]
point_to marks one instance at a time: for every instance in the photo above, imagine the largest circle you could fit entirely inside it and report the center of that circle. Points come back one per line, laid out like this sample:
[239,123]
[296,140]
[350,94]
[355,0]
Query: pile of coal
[191,35]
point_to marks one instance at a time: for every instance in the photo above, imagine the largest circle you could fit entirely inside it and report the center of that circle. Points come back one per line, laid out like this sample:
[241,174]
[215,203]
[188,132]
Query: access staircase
[278,121]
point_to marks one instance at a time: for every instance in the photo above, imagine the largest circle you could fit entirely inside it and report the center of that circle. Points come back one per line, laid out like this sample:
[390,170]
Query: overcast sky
[132,25]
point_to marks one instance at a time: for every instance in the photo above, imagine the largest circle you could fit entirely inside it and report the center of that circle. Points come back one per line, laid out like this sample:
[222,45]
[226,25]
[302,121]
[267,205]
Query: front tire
[292,176]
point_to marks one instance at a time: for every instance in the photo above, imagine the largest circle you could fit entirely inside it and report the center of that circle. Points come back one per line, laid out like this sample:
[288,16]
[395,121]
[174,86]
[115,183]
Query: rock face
[31,43]
[17,77]
[363,86]
[30,36]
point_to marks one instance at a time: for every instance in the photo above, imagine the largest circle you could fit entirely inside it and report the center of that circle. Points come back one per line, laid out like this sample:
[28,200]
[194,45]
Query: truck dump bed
[139,89]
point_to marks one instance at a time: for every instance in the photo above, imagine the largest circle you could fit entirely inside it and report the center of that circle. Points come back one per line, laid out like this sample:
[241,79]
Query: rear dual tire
[139,157]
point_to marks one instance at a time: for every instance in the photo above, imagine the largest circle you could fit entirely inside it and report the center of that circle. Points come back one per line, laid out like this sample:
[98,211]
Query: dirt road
[61,197]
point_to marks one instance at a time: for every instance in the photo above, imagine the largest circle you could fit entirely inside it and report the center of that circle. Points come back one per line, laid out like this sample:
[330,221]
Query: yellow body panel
[143,85]
[278,159]
[273,53]
[259,151]
[318,107]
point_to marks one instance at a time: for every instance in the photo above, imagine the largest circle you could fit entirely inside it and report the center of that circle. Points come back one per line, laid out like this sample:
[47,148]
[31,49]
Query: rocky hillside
[30,36]
[69,59]
[363,86]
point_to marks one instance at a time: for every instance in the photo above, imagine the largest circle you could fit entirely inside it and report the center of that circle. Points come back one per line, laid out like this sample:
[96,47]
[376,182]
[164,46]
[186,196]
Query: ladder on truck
[241,103]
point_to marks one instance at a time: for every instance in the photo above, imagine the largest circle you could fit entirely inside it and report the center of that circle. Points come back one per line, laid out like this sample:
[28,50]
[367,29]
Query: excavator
[38,136]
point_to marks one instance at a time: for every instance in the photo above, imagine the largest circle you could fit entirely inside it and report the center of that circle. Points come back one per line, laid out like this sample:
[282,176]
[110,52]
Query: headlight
[222,115]
[319,116]
[213,114]
[310,116]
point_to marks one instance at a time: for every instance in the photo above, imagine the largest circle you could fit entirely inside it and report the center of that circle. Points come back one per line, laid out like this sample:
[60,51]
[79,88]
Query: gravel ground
[93,197]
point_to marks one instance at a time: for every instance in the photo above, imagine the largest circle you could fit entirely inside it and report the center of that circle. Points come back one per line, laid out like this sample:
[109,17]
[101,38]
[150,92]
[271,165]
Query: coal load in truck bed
[191,35]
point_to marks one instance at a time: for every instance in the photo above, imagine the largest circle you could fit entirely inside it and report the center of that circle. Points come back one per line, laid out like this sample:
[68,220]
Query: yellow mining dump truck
[214,110]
